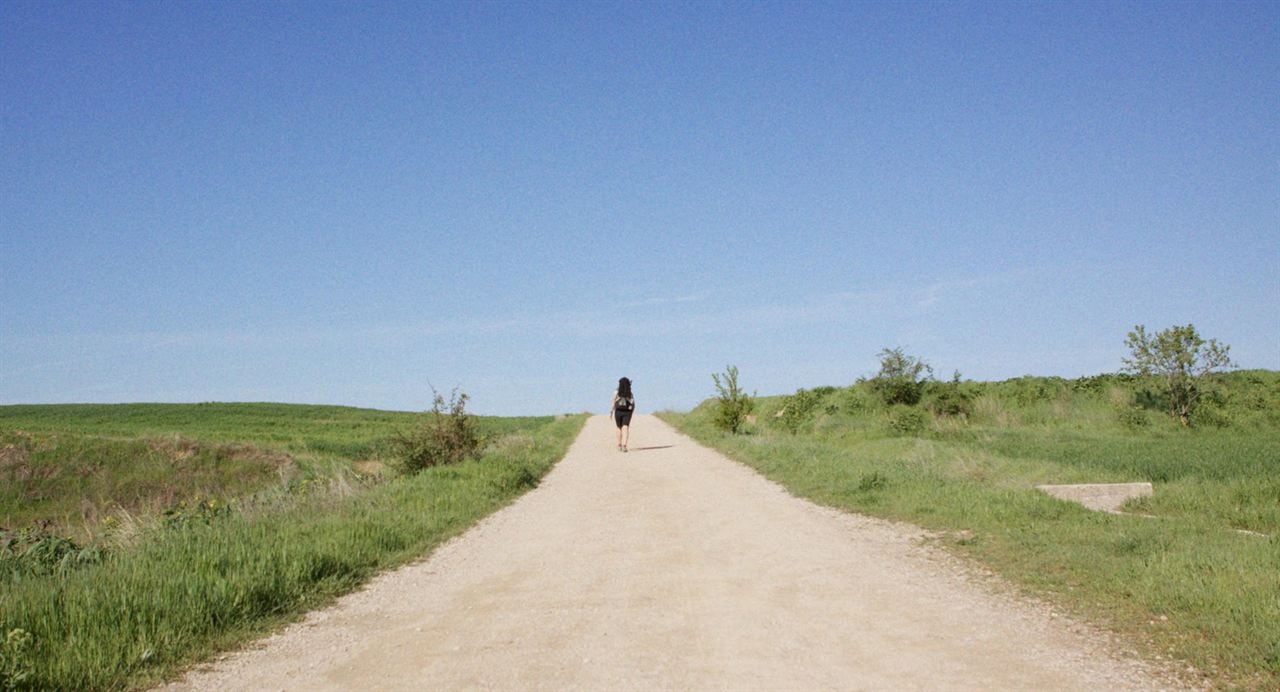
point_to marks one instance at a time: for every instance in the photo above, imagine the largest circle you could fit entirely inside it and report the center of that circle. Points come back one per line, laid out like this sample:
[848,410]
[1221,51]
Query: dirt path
[672,567]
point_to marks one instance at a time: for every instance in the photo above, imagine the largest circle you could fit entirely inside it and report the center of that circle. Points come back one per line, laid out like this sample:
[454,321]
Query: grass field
[206,573]
[76,465]
[1187,584]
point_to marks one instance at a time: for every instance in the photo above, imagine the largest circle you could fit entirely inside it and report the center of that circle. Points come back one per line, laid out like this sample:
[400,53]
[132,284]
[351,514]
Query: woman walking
[621,408]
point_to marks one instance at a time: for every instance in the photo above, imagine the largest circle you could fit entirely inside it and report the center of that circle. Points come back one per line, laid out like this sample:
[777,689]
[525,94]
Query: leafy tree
[902,378]
[734,405]
[1180,359]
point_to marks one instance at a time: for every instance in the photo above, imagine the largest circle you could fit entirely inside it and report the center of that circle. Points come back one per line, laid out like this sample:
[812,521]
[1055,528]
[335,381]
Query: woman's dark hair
[624,387]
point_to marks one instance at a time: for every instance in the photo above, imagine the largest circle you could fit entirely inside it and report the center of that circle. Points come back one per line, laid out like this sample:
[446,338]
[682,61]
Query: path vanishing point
[673,568]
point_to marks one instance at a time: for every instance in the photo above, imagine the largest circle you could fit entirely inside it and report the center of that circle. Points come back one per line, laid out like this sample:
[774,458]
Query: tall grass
[74,481]
[1186,583]
[138,615]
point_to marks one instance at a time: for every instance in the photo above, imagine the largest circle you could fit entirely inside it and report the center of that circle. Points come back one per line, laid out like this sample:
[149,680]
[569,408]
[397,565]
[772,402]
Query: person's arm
[613,405]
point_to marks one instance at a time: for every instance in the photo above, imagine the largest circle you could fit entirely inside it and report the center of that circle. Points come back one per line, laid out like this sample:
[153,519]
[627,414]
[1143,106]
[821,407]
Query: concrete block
[1103,497]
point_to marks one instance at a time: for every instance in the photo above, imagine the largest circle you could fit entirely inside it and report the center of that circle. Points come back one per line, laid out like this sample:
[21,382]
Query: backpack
[626,403]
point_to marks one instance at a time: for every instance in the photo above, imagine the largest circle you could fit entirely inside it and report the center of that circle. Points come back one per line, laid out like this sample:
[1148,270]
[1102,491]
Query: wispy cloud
[932,294]
[667,300]
[714,317]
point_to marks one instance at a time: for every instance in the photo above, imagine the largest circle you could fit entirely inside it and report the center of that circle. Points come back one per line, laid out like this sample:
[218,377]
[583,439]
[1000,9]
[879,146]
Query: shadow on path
[641,449]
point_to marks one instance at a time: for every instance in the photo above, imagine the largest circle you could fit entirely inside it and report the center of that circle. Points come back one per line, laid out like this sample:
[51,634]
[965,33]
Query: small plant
[902,378]
[446,435]
[799,410]
[16,666]
[1181,360]
[35,550]
[191,513]
[873,481]
[734,405]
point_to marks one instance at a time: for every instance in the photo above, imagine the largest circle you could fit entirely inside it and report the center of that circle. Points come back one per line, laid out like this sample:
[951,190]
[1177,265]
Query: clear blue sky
[341,203]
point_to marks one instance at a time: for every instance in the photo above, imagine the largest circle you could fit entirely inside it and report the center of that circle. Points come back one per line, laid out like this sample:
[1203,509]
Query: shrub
[446,435]
[902,378]
[734,403]
[1132,417]
[799,410]
[1029,389]
[859,398]
[906,421]
[950,398]
[1180,359]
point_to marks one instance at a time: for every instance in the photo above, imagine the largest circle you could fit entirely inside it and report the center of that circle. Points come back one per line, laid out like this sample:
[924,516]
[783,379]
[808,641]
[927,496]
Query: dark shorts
[622,418]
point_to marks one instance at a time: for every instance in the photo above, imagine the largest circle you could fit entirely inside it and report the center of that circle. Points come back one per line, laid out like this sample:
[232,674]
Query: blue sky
[347,203]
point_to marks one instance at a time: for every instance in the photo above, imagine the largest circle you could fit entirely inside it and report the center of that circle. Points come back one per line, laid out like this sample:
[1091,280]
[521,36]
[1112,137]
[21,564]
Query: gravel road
[674,568]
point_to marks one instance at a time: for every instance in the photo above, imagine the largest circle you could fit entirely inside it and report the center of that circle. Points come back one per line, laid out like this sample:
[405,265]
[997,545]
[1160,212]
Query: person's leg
[619,427]
[625,434]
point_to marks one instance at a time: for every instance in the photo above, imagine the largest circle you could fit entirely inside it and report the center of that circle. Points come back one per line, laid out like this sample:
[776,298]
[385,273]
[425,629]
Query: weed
[35,551]
[16,665]
[869,482]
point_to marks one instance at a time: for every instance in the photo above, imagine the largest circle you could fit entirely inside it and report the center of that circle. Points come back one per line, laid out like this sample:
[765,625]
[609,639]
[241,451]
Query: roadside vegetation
[1192,573]
[137,539]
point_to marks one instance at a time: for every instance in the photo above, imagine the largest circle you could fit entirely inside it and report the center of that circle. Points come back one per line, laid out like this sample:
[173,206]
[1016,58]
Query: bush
[859,398]
[1029,390]
[902,378]
[906,421]
[799,410]
[1132,417]
[446,435]
[734,404]
[950,399]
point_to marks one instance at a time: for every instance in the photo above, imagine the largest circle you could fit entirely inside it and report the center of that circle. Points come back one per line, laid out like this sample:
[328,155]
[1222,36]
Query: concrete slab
[1103,497]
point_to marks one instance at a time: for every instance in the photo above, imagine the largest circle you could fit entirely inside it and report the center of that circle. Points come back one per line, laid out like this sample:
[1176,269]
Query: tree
[1180,359]
[902,378]
[734,405]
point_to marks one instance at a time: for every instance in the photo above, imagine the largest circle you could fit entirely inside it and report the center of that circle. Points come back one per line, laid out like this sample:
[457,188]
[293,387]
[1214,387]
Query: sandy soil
[672,567]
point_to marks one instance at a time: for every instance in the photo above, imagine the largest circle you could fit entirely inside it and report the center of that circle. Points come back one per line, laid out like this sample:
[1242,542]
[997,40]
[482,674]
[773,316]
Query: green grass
[341,431]
[74,465]
[76,481]
[189,588]
[1186,584]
